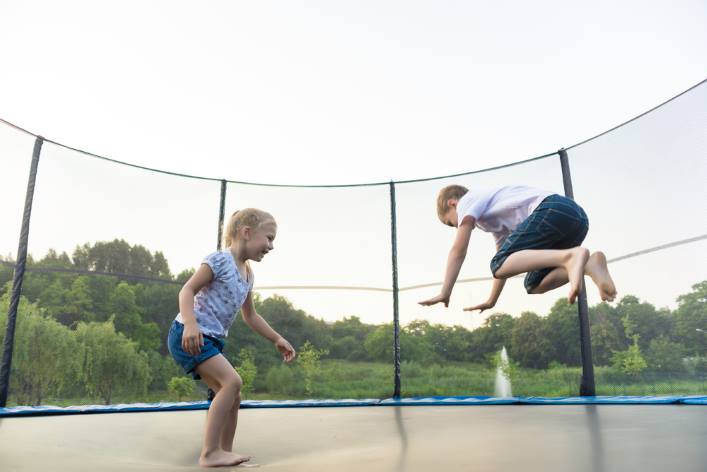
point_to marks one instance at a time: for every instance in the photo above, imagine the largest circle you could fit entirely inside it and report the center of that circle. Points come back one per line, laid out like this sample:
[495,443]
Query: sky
[322,92]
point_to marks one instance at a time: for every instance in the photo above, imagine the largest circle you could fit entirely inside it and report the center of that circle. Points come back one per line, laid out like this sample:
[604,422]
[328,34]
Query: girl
[208,304]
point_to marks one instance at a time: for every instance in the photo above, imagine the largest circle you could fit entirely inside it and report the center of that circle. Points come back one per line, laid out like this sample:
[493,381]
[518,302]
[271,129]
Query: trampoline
[600,434]
[588,433]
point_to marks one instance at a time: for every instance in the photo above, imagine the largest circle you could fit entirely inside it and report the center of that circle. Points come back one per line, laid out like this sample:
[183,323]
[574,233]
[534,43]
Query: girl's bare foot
[574,265]
[221,458]
[597,269]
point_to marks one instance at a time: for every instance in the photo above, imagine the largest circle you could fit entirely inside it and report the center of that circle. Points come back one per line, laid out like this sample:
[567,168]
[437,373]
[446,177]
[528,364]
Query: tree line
[99,336]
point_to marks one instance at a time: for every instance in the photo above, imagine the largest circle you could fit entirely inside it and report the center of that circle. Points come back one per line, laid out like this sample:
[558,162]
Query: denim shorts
[557,223]
[212,347]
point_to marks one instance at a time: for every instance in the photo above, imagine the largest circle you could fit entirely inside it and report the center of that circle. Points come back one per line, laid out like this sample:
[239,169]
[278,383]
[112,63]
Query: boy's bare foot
[597,269]
[574,265]
[221,458]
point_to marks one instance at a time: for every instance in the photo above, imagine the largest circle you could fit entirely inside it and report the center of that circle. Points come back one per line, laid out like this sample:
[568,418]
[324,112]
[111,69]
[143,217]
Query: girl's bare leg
[229,429]
[220,376]
[572,260]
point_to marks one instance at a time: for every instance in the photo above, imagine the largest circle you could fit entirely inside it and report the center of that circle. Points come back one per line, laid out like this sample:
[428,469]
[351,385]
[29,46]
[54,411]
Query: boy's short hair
[450,191]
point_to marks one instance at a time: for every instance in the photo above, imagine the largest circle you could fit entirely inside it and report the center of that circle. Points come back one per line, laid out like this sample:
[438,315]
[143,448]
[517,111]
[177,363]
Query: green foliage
[643,319]
[562,327]
[111,363]
[486,341]
[180,386]
[44,356]
[630,361]
[280,380]
[691,316]
[530,341]
[437,359]
[247,369]
[308,360]
[664,355]
[606,331]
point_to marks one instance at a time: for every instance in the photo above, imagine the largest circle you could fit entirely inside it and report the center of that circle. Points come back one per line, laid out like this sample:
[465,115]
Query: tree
[348,336]
[664,355]
[111,363]
[308,360]
[416,343]
[348,348]
[563,331]
[630,361]
[44,355]
[492,336]
[280,379]
[647,322]
[530,345]
[691,316]
[606,333]
[119,257]
[181,387]
[128,318]
[247,369]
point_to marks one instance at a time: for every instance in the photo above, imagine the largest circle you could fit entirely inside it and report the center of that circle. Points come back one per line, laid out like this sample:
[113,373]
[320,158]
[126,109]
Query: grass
[343,379]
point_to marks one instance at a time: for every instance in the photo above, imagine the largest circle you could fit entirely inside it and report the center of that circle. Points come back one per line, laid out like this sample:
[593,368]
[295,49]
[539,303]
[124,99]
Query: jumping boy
[536,231]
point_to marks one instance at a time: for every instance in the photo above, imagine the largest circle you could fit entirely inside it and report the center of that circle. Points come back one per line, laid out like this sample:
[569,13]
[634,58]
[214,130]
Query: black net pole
[396,313]
[221,214]
[18,277]
[586,387]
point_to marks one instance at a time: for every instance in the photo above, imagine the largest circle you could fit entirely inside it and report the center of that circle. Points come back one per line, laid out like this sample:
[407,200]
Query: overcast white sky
[327,91]
[339,92]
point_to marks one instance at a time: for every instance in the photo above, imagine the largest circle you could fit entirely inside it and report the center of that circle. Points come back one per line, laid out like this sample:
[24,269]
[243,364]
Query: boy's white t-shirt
[500,210]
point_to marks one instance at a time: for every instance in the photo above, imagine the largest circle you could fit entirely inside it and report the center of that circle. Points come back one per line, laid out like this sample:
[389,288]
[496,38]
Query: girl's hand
[481,306]
[434,300]
[286,349]
[192,339]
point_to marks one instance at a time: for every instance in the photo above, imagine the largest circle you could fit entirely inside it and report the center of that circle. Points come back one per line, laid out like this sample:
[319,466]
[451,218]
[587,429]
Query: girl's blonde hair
[450,191]
[251,217]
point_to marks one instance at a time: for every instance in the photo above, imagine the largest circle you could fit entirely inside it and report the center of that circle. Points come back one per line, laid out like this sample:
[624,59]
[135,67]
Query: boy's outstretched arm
[493,297]
[456,257]
[496,290]
[258,324]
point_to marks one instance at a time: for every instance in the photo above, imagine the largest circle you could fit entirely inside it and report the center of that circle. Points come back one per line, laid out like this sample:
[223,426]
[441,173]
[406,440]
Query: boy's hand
[434,300]
[481,307]
[286,349]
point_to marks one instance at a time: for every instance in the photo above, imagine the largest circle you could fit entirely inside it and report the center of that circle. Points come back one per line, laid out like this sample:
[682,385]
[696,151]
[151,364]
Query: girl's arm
[454,262]
[258,324]
[192,338]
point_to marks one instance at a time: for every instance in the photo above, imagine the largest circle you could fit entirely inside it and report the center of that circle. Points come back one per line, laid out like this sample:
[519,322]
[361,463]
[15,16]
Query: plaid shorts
[557,223]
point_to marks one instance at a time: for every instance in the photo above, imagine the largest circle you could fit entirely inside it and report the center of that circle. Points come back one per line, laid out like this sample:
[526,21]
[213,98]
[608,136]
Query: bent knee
[536,290]
[235,384]
[232,384]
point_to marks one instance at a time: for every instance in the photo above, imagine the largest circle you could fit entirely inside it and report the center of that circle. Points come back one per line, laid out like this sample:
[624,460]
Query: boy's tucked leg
[598,270]
[549,240]
[542,281]
[571,260]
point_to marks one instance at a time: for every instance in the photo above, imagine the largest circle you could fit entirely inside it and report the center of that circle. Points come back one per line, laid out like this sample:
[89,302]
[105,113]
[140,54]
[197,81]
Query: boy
[536,231]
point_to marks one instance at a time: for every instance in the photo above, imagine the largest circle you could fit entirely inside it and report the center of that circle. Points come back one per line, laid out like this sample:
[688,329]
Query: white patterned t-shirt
[217,304]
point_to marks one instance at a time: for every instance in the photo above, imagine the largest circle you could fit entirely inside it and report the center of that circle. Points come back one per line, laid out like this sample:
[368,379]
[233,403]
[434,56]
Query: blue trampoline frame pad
[315,403]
